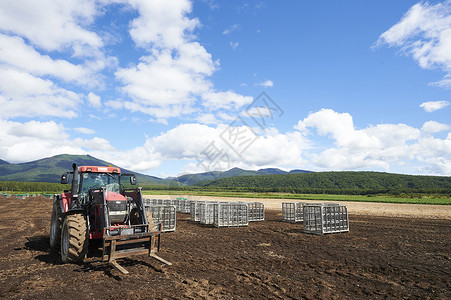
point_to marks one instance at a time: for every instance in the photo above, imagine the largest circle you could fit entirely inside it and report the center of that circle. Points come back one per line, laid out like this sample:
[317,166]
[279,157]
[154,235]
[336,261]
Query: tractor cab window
[98,180]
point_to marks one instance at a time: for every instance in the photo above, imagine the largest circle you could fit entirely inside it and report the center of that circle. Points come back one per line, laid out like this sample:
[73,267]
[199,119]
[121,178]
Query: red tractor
[98,207]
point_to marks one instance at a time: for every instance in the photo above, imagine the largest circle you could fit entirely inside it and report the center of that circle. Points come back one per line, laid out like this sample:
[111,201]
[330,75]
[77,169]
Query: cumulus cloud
[162,24]
[162,80]
[431,106]
[59,49]
[228,100]
[24,95]
[424,33]
[433,126]
[32,82]
[94,100]
[175,76]
[52,26]
[381,146]
[204,144]
[33,140]
[15,53]
[266,83]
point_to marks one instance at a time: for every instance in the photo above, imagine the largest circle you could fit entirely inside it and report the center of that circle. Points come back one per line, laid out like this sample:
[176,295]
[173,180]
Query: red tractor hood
[112,196]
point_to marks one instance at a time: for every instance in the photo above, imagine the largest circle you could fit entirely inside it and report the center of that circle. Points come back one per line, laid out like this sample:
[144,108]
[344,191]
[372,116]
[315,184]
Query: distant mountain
[191,179]
[2,162]
[50,169]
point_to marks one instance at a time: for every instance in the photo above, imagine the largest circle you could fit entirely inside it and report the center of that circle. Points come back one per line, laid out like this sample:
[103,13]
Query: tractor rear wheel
[55,227]
[74,238]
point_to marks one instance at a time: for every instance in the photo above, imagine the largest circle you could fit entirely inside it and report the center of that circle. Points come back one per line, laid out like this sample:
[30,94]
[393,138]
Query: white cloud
[433,127]
[207,118]
[174,78]
[234,45]
[95,144]
[161,79]
[162,24]
[424,32]
[258,112]
[228,100]
[24,95]
[266,83]
[231,29]
[94,100]
[15,53]
[52,25]
[431,106]
[198,142]
[340,126]
[33,140]
[383,146]
[84,130]
[160,121]
[43,47]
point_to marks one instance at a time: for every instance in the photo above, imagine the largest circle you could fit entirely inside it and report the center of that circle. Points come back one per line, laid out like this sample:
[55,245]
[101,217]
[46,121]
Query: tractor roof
[96,169]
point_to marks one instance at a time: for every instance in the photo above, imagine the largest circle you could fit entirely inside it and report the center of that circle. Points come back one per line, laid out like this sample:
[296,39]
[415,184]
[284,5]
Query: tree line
[340,183]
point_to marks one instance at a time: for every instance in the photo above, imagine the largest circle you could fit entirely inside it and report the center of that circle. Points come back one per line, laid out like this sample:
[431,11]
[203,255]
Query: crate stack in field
[184,205]
[164,214]
[232,214]
[206,212]
[163,211]
[322,218]
[226,214]
[195,210]
[256,211]
[292,212]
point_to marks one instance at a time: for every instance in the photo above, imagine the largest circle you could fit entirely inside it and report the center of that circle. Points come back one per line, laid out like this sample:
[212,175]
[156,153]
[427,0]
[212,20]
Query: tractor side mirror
[65,178]
[132,180]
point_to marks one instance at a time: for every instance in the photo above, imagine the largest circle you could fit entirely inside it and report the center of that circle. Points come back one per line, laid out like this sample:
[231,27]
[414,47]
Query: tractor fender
[63,201]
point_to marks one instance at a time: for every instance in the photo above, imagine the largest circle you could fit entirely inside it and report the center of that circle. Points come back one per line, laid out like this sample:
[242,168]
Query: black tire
[56,223]
[74,238]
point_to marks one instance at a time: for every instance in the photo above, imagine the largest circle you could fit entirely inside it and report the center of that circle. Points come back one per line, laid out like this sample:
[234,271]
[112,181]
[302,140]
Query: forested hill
[336,183]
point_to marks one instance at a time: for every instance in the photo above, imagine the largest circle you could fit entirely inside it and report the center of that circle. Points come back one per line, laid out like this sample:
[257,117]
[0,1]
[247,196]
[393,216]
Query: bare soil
[381,257]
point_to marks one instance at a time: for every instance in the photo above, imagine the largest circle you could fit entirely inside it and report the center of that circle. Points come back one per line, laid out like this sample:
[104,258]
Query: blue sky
[171,87]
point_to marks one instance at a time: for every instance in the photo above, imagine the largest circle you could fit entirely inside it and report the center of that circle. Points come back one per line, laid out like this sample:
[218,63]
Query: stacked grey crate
[292,212]
[256,211]
[232,214]
[184,206]
[164,214]
[206,212]
[195,210]
[322,218]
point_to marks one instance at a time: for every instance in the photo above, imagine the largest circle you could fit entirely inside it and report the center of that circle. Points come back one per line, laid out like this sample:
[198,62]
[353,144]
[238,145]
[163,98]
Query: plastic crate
[184,206]
[256,211]
[230,214]
[164,214]
[195,210]
[325,218]
[206,212]
[292,212]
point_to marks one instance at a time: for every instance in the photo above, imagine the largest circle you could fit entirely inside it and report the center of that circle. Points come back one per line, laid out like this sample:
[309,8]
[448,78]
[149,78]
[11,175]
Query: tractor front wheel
[55,227]
[74,238]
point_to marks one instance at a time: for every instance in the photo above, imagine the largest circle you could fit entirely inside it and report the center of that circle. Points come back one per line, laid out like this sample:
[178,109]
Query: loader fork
[124,245]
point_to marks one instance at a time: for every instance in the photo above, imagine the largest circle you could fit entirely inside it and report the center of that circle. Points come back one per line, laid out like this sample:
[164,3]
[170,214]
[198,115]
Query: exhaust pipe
[75,182]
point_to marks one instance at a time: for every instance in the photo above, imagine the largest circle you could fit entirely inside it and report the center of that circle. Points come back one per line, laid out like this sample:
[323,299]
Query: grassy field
[425,199]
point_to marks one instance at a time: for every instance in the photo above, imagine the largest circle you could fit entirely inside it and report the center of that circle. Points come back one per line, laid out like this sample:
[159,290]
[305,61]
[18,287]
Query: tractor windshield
[111,182]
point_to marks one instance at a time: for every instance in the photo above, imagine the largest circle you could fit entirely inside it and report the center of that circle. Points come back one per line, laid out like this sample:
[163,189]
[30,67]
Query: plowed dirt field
[381,257]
